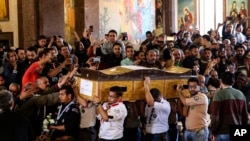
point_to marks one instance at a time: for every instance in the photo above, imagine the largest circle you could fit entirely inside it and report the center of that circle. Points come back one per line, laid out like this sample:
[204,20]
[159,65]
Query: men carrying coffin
[157,112]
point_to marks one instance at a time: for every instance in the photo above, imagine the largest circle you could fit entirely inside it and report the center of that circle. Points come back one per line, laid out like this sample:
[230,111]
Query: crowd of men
[40,80]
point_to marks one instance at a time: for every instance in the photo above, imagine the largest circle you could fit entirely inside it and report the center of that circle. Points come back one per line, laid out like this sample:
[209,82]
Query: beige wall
[12,24]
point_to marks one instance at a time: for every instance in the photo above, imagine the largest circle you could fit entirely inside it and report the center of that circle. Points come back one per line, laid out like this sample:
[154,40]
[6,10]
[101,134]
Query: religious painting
[237,8]
[158,17]
[135,17]
[186,14]
[4,10]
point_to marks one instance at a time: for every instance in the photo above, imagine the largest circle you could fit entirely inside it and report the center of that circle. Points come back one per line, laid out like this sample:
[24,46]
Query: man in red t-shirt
[35,70]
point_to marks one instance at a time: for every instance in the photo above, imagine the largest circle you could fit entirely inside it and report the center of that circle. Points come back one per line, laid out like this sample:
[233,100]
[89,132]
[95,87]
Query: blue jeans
[201,135]
[157,137]
[222,137]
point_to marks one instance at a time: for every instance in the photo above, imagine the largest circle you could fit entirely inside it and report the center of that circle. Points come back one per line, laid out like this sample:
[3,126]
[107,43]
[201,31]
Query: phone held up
[96,59]
[124,36]
[184,86]
[91,28]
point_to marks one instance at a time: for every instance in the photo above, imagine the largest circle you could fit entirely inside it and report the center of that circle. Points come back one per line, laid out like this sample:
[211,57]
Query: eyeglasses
[111,96]
[192,87]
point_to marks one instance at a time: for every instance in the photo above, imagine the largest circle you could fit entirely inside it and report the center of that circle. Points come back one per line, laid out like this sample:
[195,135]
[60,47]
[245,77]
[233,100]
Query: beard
[239,57]
[193,92]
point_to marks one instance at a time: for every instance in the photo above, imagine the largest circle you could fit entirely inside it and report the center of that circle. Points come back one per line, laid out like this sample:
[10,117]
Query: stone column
[169,16]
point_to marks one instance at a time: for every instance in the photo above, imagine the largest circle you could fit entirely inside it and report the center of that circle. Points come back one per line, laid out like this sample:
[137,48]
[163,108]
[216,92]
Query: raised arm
[149,98]
[77,36]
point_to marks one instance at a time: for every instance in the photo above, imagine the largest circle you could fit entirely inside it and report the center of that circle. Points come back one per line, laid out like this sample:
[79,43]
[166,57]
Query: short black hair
[11,51]
[127,47]
[32,49]
[214,82]
[155,93]
[68,90]
[118,90]
[238,25]
[207,37]
[239,46]
[207,49]
[196,36]
[17,50]
[112,31]
[116,43]
[192,46]
[148,32]
[42,37]
[173,34]
[194,79]
[43,52]
[227,78]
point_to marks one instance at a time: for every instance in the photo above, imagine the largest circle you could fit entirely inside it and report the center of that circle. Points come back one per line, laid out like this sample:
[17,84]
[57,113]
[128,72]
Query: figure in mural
[243,10]
[188,18]
[233,11]
[159,13]
[132,16]
[3,9]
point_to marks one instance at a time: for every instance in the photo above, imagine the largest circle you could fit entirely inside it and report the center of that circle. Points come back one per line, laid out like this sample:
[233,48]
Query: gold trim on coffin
[126,69]
[122,69]
[174,69]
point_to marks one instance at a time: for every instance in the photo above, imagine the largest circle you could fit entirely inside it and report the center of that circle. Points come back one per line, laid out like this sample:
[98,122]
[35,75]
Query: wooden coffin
[92,82]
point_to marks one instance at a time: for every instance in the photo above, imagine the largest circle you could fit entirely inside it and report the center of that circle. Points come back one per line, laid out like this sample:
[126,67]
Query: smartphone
[91,29]
[124,36]
[96,59]
[184,87]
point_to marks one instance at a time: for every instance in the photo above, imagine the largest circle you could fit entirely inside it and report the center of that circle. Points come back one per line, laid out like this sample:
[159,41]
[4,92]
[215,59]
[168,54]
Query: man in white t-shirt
[157,112]
[111,115]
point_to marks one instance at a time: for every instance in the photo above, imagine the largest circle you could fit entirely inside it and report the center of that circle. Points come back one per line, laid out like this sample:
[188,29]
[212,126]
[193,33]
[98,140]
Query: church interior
[26,20]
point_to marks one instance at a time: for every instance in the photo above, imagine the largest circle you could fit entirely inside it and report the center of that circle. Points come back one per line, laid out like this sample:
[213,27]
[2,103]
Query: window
[209,14]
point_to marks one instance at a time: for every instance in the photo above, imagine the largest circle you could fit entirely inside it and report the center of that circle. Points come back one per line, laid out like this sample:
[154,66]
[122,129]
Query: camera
[124,36]
[96,59]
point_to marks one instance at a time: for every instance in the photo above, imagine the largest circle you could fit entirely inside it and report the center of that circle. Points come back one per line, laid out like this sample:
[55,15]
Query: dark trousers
[112,140]
[132,134]
[87,134]
[173,132]
[157,137]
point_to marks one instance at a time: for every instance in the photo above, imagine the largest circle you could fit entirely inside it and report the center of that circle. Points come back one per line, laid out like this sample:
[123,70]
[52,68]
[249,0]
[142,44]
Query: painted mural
[237,7]
[132,16]
[186,14]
